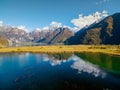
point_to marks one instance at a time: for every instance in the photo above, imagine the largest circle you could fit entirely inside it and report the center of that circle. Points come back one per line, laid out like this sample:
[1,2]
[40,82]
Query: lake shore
[106,49]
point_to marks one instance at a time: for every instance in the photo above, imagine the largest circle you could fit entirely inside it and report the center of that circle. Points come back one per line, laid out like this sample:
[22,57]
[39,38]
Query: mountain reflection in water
[63,71]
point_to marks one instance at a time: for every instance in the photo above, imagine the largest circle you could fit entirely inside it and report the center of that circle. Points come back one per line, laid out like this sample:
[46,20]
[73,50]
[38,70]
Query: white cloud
[41,29]
[105,13]
[83,21]
[45,28]
[55,24]
[1,23]
[101,2]
[52,26]
[23,28]
[38,29]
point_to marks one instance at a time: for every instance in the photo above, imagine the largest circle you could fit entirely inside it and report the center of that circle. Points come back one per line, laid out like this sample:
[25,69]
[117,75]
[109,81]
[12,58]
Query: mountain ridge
[104,32]
[45,36]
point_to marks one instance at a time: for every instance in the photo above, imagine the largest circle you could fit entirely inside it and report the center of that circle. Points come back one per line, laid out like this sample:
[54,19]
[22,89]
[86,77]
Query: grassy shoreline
[107,49]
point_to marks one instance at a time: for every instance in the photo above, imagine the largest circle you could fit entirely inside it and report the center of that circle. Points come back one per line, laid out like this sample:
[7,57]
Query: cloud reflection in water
[83,66]
[79,64]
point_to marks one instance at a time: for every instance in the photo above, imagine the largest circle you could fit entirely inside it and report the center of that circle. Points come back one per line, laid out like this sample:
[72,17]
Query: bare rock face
[15,35]
[58,35]
[50,36]
[106,31]
[3,41]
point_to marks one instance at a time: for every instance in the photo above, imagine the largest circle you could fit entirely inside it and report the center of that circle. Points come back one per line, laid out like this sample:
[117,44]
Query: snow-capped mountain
[106,31]
[51,35]
[55,33]
[15,35]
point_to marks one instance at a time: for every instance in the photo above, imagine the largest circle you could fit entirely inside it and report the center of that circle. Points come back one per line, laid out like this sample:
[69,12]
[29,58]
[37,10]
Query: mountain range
[51,35]
[106,31]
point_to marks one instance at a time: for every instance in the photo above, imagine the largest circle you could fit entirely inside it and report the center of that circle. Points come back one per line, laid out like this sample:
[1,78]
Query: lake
[63,71]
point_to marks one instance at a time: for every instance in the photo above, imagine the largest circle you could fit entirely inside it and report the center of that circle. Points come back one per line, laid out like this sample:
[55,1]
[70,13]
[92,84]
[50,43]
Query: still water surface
[65,71]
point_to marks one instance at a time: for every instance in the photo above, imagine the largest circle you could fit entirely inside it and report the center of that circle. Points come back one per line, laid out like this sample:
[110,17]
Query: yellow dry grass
[108,49]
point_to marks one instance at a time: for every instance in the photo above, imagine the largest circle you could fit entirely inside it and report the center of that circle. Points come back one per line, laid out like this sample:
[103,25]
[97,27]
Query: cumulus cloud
[105,13]
[1,23]
[38,29]
[55,24]
[52,26]
[45,28]
[101,2]
[83,21]
[23,28]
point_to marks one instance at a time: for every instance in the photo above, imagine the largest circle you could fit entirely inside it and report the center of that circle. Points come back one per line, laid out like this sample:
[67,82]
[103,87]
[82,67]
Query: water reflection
[78,63]
[57,59]
[108,62]
[83,66]
[63,71]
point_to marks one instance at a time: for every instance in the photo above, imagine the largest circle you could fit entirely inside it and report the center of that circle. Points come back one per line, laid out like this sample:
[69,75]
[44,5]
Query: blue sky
[40,13]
